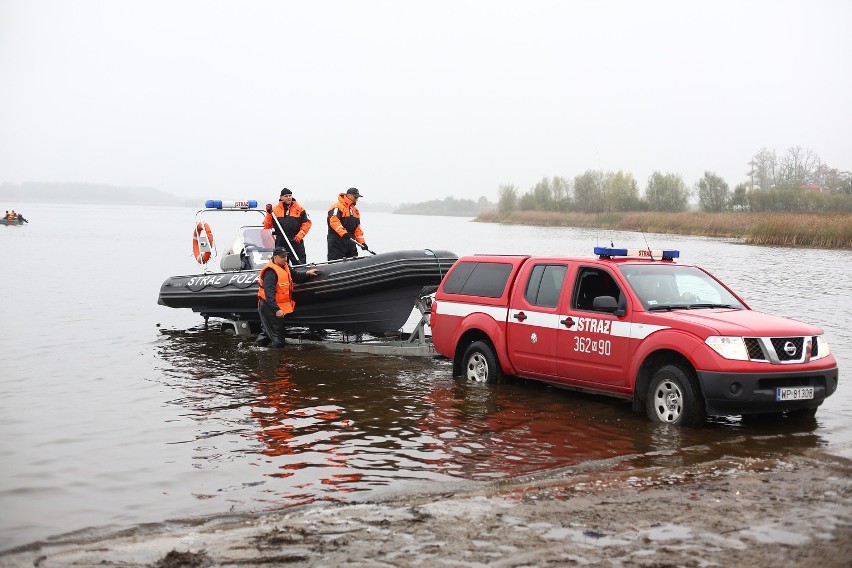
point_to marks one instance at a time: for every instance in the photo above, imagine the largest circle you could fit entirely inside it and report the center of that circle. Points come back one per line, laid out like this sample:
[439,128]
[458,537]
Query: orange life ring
[202,243]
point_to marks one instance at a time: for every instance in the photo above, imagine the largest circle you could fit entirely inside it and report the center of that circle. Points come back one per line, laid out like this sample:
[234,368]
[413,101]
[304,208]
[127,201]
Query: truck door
[592,345]
[534,319]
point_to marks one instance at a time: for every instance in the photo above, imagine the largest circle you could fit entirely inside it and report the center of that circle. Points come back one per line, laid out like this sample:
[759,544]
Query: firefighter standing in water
[344,226]
[294,221]
[275,297]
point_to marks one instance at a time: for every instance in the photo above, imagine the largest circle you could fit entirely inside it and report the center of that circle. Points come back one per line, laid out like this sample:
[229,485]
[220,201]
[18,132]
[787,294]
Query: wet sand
[789,510]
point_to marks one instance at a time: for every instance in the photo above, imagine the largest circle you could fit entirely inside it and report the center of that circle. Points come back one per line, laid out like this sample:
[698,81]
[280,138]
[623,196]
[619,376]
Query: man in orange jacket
[275,297]
[293,220]
[344,226]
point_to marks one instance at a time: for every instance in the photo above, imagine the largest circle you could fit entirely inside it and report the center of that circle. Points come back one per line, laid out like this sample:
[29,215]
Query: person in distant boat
[344,226]
[293,220]
[275,296]
[11,215]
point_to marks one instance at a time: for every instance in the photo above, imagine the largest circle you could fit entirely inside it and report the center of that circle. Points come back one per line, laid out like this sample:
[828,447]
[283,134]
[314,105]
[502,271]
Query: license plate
[798,393]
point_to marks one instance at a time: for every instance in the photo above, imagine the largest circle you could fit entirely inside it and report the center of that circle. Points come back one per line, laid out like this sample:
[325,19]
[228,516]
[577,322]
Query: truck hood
[747,323]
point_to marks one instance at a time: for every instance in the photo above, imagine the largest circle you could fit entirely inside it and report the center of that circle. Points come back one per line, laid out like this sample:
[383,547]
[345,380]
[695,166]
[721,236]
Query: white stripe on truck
[545,320]
[462,310]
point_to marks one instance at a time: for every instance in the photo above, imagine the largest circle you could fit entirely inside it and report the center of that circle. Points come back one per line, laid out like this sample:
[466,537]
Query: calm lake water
[116,411]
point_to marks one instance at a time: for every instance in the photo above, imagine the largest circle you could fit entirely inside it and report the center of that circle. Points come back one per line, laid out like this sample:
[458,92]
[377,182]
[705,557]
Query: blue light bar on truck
[217,204]
[608,252]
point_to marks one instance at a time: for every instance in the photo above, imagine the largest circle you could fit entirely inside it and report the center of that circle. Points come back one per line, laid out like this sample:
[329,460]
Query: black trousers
[272,328]
[298,248]
[340,248]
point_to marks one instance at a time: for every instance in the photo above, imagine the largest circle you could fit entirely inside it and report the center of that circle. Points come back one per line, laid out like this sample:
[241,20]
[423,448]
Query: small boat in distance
[371,294]
[12,218]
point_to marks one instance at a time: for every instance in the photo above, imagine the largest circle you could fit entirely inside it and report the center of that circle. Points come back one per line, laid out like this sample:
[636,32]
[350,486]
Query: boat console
[251,250]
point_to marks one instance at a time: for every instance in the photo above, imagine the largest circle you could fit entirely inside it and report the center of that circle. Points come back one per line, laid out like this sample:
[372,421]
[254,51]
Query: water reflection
[514,429]
[316,425]
[289,424]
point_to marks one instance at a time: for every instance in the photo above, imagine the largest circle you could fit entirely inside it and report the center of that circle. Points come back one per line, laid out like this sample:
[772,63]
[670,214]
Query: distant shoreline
[86,194]
[817,230]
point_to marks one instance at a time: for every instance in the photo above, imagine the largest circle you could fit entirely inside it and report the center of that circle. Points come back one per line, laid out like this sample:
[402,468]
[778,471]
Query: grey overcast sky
[410,101]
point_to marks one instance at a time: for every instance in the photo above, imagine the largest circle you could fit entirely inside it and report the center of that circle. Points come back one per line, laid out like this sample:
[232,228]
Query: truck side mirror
[605,304]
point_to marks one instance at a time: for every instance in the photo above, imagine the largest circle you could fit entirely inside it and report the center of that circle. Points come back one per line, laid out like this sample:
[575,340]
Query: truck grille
[788,348]
[755,352]
[780,350]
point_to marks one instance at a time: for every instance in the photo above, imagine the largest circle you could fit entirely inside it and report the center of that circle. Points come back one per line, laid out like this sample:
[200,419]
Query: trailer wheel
[674,398]
[480,363]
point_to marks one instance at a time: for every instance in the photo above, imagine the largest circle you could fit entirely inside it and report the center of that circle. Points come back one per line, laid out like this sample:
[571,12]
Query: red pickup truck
[631,323]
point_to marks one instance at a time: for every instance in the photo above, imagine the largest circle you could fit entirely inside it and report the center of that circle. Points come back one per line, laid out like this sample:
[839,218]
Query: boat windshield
[674,287]
[258,238]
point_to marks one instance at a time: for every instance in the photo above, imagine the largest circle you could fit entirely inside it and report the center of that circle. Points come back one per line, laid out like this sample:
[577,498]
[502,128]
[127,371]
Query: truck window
[486,279]
[458,276]
[545,285]
[591,283]
[673,285]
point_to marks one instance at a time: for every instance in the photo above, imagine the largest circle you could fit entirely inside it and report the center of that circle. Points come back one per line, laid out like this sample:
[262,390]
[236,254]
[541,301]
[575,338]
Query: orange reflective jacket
[284,290]
[343,217]
[294,222]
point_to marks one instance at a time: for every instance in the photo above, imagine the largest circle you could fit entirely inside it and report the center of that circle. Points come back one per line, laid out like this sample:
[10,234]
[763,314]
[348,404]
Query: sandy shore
[780,511]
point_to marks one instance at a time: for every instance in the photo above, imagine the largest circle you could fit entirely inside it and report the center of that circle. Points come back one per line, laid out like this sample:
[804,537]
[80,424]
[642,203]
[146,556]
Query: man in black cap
[275,296]
[293,220]
[344,226]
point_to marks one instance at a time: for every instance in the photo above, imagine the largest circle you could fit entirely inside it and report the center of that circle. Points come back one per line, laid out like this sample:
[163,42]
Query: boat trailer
[399,344]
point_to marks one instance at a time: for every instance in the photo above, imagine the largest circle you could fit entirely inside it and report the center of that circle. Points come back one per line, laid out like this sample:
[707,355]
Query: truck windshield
[674,287]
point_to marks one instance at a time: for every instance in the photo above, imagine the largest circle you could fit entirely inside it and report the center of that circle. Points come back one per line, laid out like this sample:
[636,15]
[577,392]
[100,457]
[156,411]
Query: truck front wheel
[480,363]
[674,398]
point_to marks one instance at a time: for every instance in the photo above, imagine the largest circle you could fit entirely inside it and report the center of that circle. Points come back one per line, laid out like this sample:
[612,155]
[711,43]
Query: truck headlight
[729,347]
[823,350]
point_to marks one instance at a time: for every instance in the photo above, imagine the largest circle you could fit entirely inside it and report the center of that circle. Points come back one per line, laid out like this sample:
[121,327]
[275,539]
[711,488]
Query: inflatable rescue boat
[370,294]
[17,220]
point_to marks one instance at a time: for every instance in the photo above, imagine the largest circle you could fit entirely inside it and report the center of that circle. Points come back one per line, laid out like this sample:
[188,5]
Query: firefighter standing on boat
[344,226]
[293,220]
[275,297]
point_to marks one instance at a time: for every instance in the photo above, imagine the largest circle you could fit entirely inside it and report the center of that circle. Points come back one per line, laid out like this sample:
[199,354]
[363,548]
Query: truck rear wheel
[674,398]
[480,363]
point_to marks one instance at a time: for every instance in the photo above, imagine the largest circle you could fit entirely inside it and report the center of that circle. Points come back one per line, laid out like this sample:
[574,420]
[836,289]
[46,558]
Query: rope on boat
[438,260]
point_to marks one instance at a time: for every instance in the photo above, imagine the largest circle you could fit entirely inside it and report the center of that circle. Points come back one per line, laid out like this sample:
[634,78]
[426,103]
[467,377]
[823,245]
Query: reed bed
[820,230]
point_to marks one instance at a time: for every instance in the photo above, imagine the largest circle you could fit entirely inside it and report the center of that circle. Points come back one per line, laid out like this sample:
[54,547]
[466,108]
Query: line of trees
[798,181]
